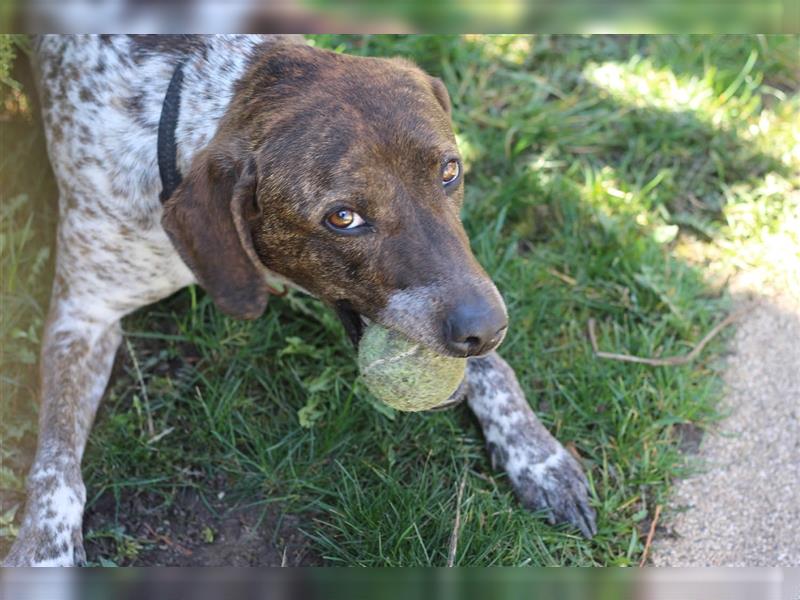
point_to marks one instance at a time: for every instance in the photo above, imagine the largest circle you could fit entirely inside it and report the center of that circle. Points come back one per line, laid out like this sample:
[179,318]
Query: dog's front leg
[77,354]
[544,475]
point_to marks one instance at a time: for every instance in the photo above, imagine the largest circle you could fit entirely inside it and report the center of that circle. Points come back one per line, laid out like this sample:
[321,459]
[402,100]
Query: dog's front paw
[51,533]
[43,547]
[544,475]
[555,485]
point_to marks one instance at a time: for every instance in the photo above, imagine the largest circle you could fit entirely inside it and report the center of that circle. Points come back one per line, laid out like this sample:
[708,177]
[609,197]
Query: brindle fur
[272,136]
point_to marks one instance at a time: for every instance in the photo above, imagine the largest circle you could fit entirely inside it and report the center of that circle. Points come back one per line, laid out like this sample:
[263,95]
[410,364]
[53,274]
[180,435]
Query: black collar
[167,147]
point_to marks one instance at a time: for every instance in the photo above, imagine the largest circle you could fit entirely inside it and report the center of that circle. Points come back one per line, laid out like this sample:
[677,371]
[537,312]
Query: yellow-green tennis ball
[404,374]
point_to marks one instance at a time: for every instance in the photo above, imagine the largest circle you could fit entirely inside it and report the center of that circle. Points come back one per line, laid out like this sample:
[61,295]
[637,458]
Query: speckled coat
[272,135]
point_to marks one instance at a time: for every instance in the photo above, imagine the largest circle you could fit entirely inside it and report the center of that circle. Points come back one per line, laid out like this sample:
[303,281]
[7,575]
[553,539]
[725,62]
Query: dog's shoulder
[100,108]
[101,99]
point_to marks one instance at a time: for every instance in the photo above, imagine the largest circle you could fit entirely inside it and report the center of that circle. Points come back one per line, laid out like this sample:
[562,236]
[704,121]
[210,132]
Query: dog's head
[341,174]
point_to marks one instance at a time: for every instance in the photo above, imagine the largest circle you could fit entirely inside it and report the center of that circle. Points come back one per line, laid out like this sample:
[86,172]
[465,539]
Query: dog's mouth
[353,322]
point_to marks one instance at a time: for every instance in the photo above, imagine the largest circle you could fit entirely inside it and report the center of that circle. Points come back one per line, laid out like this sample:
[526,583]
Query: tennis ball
[404,374]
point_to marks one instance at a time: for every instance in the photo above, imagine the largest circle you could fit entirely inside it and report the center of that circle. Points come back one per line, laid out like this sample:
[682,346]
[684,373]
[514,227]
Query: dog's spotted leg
[77,354]
[544,475]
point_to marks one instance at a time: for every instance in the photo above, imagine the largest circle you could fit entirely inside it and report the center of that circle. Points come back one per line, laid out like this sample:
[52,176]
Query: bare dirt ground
[743,507]
[197,530]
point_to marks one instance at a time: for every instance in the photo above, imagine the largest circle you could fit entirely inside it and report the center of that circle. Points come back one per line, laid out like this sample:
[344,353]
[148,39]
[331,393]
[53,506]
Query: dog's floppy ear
[209,219]
[440,91]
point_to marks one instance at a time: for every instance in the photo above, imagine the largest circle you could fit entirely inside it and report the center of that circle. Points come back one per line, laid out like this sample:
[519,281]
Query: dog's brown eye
[344,218]
[451,171]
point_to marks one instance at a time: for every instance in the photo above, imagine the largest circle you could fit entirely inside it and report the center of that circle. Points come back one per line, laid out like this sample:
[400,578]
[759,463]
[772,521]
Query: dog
[243,164]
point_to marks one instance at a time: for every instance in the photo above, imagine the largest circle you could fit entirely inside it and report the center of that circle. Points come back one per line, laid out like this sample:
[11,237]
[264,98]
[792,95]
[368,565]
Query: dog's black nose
[475,327]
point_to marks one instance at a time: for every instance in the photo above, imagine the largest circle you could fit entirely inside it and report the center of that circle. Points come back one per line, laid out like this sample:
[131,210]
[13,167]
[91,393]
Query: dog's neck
[139,69]
[210,74]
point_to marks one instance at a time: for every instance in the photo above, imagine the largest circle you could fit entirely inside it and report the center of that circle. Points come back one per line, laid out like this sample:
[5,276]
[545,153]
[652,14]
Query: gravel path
[743,509]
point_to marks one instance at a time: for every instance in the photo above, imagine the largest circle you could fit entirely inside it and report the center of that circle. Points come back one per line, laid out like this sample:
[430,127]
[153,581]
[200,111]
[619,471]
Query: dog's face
[341,174]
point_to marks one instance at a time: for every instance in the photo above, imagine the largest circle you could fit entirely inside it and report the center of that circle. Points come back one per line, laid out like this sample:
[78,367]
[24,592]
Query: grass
[603,172]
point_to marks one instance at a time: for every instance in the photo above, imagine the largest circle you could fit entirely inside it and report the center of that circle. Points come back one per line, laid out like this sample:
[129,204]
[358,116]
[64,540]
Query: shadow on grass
[573,198]
[28,216]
